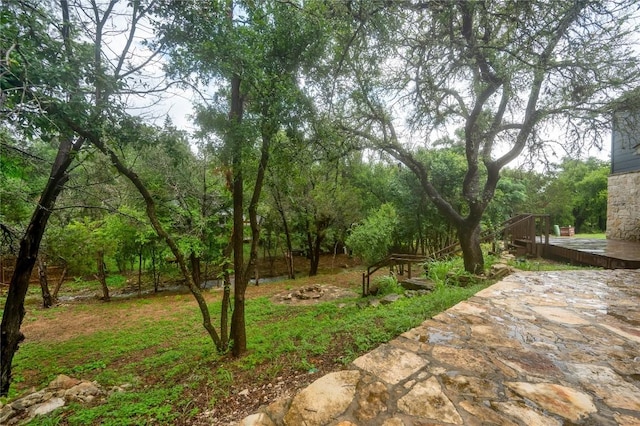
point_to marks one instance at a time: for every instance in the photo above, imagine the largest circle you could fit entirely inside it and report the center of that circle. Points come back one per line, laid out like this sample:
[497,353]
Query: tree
[500,72]
[26,48]
[374,236]
[57,79]
[577,194]
[254,51]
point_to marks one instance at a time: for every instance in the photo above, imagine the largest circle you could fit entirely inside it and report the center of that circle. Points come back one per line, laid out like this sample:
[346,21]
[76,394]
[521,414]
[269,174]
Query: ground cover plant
[154,346]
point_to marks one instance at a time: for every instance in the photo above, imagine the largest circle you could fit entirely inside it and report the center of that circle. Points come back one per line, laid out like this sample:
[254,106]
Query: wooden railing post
[547,229]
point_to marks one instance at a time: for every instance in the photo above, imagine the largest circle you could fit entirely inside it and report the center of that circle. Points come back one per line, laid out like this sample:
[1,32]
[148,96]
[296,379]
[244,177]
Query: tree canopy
[380,125]
[498,73]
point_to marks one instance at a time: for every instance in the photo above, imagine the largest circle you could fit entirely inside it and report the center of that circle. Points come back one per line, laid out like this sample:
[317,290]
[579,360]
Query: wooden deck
[609,254]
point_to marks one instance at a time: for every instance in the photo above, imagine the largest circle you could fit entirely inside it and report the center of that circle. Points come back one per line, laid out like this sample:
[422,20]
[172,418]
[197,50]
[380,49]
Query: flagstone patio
[538,348]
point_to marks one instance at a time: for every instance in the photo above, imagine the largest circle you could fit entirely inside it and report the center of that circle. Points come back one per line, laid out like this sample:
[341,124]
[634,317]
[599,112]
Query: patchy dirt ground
[310,294]
[338,278]
[336,275]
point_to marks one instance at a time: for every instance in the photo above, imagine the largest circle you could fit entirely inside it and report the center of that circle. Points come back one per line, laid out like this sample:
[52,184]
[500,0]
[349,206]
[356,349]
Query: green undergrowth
[525,264]
[166,360]
[598,236]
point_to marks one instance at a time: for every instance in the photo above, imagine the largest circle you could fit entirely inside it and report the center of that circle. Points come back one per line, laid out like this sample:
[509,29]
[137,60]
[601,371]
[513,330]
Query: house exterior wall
[623,206]
[625,142]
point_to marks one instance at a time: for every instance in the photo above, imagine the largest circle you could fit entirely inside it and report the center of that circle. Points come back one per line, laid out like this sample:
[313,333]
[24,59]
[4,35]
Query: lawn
[600,236]
[156,347]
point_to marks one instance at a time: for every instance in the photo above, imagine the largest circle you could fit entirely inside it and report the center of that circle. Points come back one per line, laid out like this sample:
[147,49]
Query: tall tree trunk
[238,327]
[158,228]
[47,300]
[287,234]
[469,235]
[226,295]
[10,335]
[60,281]
[267,132]
[310,254]
[102,276]
[154,269]
[140,270]
[314,246]
[195,269]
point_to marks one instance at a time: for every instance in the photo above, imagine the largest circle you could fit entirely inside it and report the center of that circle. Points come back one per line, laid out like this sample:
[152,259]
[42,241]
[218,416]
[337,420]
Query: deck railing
[523,229]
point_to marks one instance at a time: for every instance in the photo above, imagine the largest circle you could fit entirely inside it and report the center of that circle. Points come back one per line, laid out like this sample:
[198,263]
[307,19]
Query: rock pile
[61,390]
[313,294]
[306,293]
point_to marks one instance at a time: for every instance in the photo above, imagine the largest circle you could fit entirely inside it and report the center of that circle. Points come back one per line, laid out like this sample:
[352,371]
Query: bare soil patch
[80,321]
[250,389]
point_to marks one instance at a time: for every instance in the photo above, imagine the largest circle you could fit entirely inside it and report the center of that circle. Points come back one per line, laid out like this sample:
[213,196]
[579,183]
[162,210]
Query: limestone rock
[63,382]
[626,420]
[6,414]
[525,414]
[608,385]
[372,400]
[259,419]
[427,400]
[84,392]
[25,402]
[323,400]
[559,315]
[561,400]
[463,359]
[467,385]
[277,410]
[485,414]
[391,364]
[47,406]
[393,422]
[390,298]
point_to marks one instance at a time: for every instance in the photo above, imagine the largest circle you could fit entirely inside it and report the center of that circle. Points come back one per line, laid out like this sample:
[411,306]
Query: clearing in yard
[156,347]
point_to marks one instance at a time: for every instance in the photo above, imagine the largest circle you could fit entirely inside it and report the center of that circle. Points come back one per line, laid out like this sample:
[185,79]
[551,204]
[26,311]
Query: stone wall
[623,207]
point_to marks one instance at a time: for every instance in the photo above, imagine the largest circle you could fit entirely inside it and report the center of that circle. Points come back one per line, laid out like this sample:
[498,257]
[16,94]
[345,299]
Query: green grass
[165,358]
[152,406]
[114,282]
[599,236]
[168,359]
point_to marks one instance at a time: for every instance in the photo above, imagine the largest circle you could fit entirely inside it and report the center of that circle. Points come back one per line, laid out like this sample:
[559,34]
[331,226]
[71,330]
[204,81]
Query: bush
[387,285]
[371,239]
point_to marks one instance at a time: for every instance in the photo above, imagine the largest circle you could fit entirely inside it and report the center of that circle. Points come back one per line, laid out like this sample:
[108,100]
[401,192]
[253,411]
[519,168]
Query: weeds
[166,358]
[387,285]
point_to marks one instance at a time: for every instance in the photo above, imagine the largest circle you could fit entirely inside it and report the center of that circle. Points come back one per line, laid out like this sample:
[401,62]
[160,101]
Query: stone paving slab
[538,348]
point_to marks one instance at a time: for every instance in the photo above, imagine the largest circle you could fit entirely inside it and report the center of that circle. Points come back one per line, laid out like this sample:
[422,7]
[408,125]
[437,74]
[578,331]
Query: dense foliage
[379,125]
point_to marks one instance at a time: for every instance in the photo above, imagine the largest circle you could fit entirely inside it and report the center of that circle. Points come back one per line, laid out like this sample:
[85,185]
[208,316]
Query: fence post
[363,293]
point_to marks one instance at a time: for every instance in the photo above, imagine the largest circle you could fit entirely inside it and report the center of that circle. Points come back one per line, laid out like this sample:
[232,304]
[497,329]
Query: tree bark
[469,235]
[47,300]
[267,131]
[102,276]
[158,228]
[10,335]
[195,269]
[154,269]
[140,270]
[226,296]
[287,234]
[60,281]
[315,243]
[238,327]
